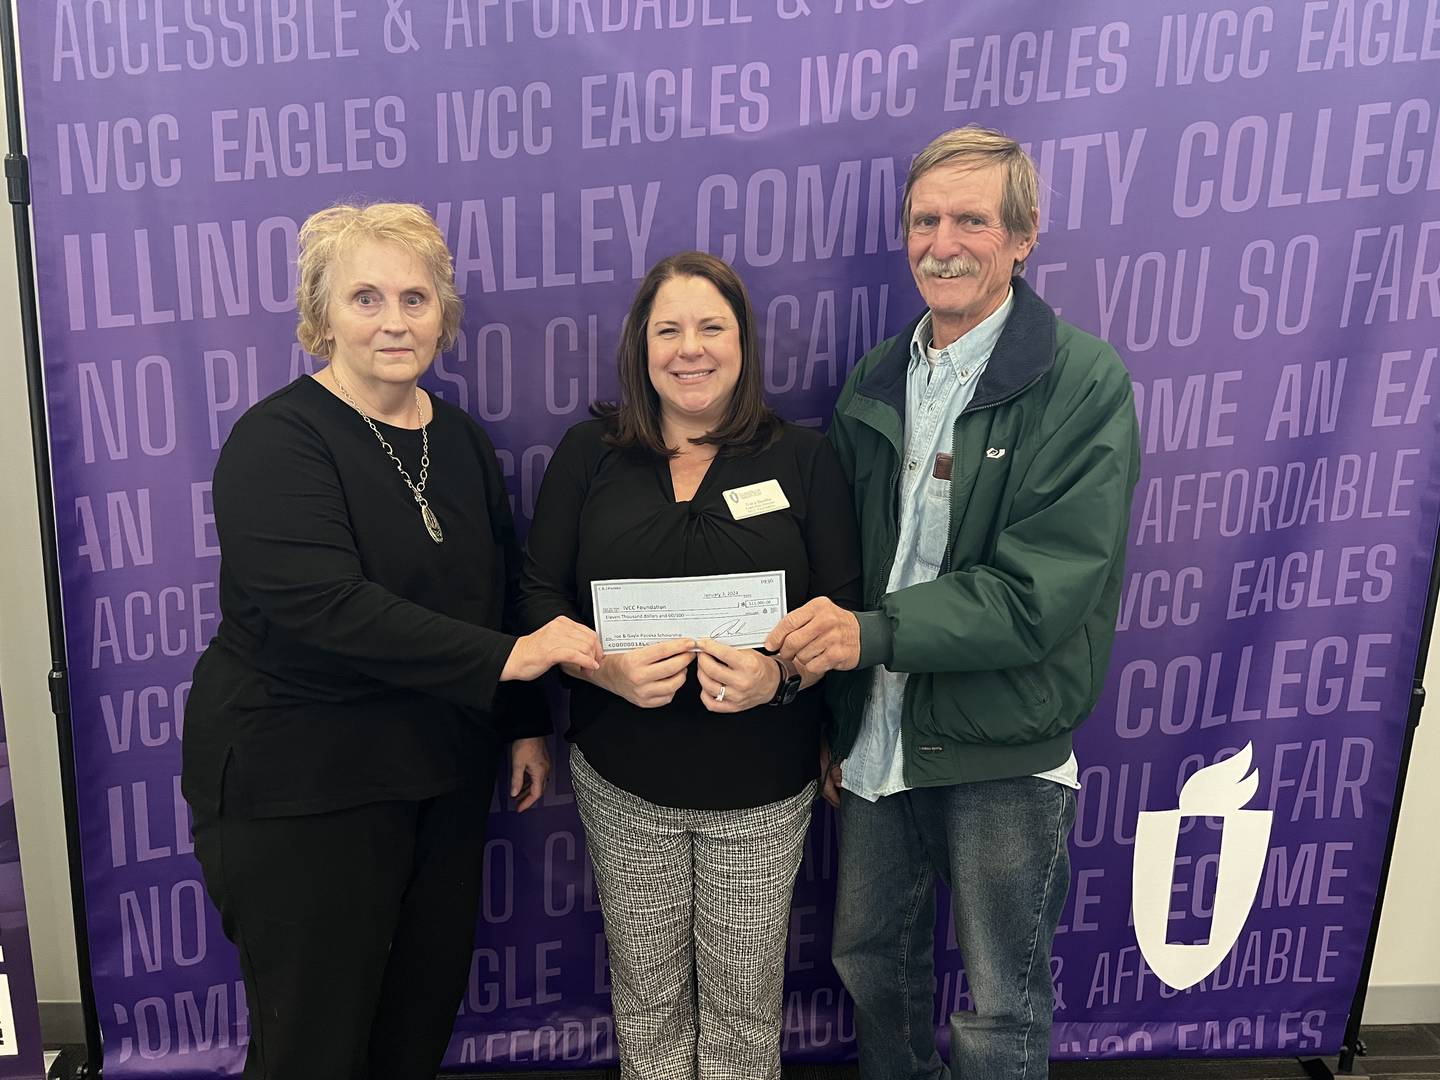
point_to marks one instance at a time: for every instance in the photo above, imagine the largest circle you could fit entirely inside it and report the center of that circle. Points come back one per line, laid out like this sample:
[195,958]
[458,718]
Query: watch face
[789,687]
[789,684]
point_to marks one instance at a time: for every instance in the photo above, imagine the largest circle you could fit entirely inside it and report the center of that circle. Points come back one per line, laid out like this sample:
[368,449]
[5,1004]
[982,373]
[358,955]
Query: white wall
[1406,981]
[25,662]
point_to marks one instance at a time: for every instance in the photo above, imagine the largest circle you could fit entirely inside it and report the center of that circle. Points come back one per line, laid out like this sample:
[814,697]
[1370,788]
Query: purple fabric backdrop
[1237,200]
[21,1049]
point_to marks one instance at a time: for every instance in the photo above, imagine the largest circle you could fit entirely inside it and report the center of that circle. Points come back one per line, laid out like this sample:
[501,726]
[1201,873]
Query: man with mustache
[992,450]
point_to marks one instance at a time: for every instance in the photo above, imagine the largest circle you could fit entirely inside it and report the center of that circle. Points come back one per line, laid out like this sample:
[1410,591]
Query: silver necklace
[432,523]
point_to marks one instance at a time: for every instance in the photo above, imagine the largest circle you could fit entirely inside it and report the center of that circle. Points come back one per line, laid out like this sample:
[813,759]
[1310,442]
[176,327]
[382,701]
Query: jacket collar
[1025,351]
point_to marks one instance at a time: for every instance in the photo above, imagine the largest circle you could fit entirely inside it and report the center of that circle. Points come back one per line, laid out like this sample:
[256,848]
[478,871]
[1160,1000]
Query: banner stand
[1354,1045]
[86,1062]
[17,182]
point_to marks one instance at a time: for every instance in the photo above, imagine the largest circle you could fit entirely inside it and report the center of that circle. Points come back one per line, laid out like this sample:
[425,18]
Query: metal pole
[1353,1043]
[17,179]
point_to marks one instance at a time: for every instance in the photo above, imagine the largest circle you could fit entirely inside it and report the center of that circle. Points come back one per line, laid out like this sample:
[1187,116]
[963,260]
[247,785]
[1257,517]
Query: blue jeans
[1001,847]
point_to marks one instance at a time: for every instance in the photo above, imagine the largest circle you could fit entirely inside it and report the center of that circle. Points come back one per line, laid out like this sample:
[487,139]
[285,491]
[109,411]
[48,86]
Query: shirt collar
[972,347]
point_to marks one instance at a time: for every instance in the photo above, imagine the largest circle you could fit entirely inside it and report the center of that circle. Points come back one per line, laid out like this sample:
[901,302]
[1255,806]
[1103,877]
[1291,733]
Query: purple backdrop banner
[1242,200]
[21,1049]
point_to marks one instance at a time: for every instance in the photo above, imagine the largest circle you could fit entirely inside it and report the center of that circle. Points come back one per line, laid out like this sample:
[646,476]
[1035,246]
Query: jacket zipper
[907,693]
[884,579]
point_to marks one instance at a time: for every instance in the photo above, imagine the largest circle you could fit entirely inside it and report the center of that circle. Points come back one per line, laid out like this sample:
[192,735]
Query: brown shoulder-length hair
[634,420]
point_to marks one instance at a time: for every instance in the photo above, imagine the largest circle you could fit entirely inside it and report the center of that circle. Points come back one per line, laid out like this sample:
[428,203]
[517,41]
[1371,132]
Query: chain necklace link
[432,523]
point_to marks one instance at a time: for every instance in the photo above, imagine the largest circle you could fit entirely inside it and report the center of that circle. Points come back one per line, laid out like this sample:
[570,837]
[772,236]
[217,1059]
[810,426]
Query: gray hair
[979,148]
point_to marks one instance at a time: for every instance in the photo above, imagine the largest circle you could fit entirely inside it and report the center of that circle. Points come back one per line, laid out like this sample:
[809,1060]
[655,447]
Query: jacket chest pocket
[934,532]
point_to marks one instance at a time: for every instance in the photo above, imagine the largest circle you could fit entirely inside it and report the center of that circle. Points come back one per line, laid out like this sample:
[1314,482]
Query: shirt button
[912,464]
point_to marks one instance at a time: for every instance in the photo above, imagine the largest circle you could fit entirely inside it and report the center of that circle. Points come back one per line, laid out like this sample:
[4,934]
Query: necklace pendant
[432,524]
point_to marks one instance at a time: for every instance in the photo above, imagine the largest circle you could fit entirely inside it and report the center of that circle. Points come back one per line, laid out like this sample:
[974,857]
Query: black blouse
[356,659]
[604,513]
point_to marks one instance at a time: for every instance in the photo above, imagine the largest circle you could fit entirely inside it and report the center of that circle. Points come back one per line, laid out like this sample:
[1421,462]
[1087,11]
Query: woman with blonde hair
[345,725]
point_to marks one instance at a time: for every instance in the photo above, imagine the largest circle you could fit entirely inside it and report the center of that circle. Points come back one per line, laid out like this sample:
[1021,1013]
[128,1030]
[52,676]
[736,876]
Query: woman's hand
[647,677]
[732,680]
[529,769]
[560,641]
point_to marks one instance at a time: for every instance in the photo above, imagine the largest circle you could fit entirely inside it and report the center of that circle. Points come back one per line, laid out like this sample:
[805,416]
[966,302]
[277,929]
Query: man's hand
[821,636]
[830,775]
[529,769]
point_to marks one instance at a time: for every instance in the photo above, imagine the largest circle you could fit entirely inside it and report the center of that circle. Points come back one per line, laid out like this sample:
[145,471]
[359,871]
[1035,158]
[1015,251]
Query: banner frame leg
[17,177]
[72,1064]
[1349,1052]
[1353,1045]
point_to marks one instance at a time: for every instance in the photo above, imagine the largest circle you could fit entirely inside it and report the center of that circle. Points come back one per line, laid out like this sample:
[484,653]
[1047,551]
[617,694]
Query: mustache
[953,267]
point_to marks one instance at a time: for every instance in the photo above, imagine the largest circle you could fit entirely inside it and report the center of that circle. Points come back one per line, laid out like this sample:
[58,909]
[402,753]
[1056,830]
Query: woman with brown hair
[694,763]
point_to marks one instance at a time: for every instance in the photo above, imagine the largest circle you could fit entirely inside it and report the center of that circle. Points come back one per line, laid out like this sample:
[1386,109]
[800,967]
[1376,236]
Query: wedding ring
[720,694]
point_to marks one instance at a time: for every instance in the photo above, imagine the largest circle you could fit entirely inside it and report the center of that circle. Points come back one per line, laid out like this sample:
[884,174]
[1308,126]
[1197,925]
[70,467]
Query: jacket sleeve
[286,537]
[875,636]
[1069,524]
[838,434]
[832,538]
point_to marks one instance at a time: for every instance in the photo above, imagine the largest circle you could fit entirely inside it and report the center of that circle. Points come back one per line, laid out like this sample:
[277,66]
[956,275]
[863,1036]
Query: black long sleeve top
[605,513]
[356,659]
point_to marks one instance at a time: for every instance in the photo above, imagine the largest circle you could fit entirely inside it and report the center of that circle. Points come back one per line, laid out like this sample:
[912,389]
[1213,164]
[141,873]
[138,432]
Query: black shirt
[604,513]
[356,659]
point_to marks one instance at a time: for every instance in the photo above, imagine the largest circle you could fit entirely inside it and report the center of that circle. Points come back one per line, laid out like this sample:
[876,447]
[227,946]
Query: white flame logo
[1221,790]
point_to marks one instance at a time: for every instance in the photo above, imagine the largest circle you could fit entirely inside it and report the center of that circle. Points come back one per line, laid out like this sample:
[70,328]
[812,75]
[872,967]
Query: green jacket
[1008,646]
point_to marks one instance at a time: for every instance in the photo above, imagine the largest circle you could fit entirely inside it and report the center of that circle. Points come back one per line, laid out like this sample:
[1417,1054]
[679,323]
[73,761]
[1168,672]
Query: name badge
[755,499]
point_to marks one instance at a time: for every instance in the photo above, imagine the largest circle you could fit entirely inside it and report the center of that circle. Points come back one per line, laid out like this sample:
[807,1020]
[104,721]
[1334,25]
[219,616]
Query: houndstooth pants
[696,905]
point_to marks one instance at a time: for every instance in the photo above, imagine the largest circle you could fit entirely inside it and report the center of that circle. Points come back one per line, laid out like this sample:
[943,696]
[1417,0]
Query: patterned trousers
[696,905]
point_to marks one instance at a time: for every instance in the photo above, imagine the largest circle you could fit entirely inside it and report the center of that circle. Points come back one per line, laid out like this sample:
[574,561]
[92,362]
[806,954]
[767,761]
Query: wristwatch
[789,683]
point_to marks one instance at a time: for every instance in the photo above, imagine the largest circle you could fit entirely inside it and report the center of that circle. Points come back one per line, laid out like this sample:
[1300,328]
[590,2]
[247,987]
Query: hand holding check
[820,635]
[560,641]
[733,680]
[647,677]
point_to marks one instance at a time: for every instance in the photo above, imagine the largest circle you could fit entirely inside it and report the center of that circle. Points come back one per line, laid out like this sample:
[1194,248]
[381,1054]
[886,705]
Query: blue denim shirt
[939,385]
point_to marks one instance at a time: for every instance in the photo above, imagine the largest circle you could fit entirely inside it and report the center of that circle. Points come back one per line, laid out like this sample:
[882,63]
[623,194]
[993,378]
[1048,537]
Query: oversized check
[736,609]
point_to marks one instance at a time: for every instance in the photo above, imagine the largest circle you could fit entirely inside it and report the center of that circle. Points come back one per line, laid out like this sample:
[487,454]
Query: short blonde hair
[979,148]
[328,234]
